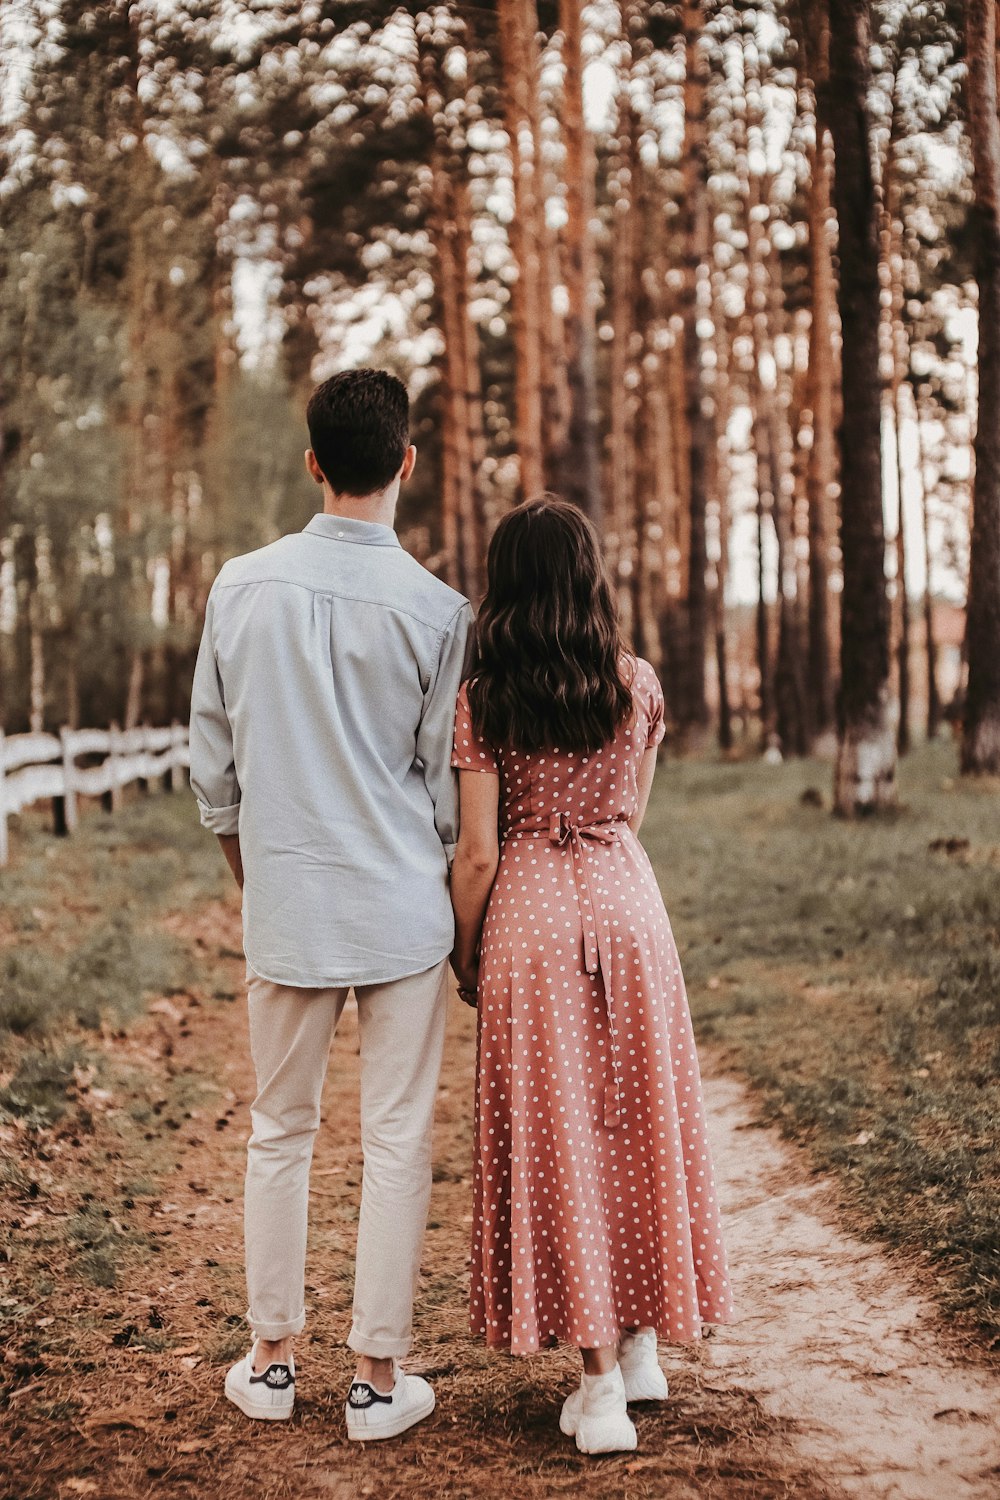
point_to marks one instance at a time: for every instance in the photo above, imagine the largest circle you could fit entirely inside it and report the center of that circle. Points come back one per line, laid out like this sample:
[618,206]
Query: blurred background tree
[710,269]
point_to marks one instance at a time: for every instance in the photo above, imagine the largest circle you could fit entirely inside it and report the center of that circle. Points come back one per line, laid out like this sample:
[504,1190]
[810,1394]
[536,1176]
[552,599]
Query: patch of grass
[852,971]
[80,944]
[39,1090]
[108,975]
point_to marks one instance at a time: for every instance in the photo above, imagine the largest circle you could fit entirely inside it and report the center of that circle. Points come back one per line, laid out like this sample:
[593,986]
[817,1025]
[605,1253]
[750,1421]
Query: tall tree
[822,460]
[981,729]
[865,769]
[581,481]
[518,26]
[698,421]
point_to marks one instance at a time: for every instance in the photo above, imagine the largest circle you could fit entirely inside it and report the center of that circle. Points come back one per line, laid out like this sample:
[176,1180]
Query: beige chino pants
[401,1027]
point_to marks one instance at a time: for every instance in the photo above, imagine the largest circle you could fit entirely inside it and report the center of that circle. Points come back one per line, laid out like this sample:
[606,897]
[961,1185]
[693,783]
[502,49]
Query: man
[321,728]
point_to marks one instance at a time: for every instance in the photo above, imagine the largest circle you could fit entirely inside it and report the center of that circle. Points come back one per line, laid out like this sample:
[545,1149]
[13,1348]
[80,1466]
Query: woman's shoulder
[641,675]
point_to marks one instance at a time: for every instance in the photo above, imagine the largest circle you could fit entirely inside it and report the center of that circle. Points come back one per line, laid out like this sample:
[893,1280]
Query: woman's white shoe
[268,1396]
[372,1415]
[597,1415]
[641,1372]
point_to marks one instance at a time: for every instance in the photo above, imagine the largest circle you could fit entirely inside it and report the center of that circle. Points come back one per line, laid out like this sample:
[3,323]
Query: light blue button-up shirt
[321,731]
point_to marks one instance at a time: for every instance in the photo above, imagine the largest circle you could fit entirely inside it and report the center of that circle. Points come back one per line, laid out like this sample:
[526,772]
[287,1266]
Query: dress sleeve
[470,752]
[653,698]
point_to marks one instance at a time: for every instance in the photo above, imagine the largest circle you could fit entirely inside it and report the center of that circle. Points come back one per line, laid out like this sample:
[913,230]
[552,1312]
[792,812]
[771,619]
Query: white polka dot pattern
[594,1200]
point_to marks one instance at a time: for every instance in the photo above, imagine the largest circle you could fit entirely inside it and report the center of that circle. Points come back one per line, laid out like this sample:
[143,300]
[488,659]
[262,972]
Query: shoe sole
[255,1410]
[392,1429]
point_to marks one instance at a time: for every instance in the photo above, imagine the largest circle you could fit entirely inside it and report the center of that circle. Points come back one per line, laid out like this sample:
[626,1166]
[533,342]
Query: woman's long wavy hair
[548,663]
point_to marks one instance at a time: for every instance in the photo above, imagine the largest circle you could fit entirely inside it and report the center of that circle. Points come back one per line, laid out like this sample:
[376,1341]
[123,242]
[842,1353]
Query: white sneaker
[641,1372]
[371,1416]
[270,1395]
[597,1415]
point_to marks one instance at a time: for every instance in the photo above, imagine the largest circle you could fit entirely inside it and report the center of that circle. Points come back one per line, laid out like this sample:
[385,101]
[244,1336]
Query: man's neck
[380,507]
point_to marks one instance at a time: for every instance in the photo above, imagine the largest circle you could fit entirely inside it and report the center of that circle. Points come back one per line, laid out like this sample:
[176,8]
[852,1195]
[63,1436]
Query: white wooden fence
[34,767]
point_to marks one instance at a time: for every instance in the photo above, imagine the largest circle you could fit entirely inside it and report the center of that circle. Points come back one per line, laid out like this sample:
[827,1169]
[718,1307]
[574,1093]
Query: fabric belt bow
[596,955]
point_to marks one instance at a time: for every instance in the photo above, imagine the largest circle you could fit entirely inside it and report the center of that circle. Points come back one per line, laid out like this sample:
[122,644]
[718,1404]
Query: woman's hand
[473,873]
[466,971]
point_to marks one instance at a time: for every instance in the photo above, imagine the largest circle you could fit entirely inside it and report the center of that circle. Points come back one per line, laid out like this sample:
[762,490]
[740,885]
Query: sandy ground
[835,1338]
[832,1383]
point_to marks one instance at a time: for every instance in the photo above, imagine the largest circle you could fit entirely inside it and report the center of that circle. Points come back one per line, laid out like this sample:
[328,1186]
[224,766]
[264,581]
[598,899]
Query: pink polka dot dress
[594,1201]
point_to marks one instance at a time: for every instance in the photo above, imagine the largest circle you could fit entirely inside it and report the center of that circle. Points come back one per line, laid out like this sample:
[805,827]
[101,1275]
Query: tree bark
[930,643]
[981,727]
[621,467]
[903,644]
[821,474]
[581,480]
[721,478]
[450,219]
[899,358]
[699,427]
[517,33]
[865,770]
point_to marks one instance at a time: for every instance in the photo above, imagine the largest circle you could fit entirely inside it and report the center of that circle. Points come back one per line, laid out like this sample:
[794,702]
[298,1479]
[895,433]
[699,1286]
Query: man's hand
[230,845]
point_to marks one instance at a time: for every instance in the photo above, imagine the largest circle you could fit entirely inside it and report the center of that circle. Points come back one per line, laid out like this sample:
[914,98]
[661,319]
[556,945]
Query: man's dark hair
[359,429]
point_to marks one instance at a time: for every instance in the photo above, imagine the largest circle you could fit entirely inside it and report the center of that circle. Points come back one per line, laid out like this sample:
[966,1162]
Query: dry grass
[852,971]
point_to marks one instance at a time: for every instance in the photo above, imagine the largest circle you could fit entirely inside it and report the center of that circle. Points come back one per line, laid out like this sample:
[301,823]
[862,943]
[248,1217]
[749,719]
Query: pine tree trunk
[721,476]
[822,462]
[517,28]
[865,771]
[37,679]
[699,427]
[471,497]
[903,644]
[134,688]
[621,467]
[981,728]
[765,500]
[899,358]
[930,643]
[72,719]
[450,222]
[581,480]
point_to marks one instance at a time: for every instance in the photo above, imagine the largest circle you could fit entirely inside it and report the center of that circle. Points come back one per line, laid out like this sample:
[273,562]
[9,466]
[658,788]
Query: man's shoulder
[401,584]
[261,563]
[426,595]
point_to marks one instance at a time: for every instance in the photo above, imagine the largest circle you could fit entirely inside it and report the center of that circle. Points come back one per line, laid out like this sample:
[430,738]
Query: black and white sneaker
[372,1415]
[269,1395]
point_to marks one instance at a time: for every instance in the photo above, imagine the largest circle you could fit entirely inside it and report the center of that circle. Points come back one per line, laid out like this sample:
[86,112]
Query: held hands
[466,971]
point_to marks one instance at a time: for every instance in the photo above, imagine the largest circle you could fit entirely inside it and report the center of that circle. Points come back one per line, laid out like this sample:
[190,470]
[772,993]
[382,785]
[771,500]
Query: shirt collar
[347,529]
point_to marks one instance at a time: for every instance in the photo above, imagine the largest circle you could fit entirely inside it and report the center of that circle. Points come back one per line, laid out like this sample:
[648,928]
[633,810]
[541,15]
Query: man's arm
[436,733]
[213,773]
[229,843]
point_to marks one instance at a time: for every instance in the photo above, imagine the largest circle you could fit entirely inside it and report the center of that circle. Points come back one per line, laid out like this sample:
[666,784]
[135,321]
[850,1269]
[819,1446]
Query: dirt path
[835,1338]
[830,1384]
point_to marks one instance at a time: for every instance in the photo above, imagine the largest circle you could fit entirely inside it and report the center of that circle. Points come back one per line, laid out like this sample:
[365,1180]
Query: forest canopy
[609,247]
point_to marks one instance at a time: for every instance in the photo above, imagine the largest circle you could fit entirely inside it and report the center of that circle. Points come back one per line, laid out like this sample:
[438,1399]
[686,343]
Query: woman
[595,1217]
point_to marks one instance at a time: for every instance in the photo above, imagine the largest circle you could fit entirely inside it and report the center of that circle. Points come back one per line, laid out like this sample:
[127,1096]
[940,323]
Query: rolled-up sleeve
[213,772]
[437,726]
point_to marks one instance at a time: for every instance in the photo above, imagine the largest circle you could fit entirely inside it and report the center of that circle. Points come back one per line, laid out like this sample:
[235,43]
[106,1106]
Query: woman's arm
[474,870]
[644,780]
